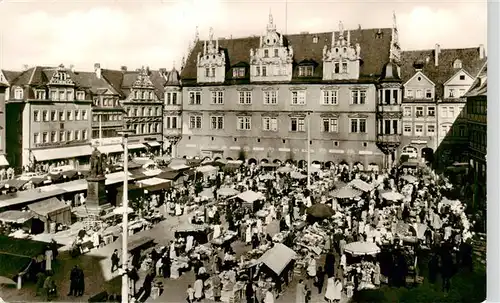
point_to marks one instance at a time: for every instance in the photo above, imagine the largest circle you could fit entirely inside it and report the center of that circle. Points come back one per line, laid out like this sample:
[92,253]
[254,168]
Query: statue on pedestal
[96,165]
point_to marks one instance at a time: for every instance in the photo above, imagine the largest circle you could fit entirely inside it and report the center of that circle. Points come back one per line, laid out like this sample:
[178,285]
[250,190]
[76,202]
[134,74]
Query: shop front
[70,155]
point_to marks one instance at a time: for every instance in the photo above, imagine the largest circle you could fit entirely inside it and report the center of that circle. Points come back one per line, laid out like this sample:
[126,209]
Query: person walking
[217,286]
[301,292]
[330,289]
[73,276]
[198,289]
[320,280]
[115,260]
[190,294]
[80,284]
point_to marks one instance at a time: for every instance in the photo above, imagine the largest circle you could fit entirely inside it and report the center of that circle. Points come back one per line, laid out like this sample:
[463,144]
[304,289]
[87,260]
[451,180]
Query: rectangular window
[344,67]
[207,72]
[330,125]
[238,72]
[84,114]
[297,124]
[62,136]
[358,125]
[409,94]
[62,95]
[195,98]
[306,71]
[419,111]
[36,116]
[419,129]
[330,97]
[431,129]
[431,111]
[299,97]
[451,93]
[244,123]
[407,129]
[451,112]
[53,137]
[195,122]
[266,53]
[245,97]
[80,96]
[78,116]
[217,122]
[45,137]
[276,52]
[270,124]
[62,117]
[45,116]
[257,71]
[217,97]
[264,71]
[461,92]
[36,138]
[358,97]
[271,97]
[69,135]
[77,135]
[407,111]
[444,112]
[428,94]
[53,115]
[419,94]
[213,72]
[40,95]
[336,68]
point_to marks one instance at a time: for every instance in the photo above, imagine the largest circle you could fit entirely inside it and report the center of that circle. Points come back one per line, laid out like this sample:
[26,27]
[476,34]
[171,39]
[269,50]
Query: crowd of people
[367,228]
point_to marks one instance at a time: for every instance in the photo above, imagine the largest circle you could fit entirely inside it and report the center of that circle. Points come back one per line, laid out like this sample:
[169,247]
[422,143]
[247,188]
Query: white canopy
[277,258]
[250,196]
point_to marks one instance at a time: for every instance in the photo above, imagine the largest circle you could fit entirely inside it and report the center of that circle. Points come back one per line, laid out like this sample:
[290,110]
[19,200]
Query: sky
[158,33]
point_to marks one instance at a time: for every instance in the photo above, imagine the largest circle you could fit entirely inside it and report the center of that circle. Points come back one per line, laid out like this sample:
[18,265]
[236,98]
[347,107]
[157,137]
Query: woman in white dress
[330,289]
[198,289]
[337,294]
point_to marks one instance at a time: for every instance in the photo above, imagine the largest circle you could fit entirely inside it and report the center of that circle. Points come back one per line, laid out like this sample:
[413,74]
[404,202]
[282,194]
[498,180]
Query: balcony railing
[391,138]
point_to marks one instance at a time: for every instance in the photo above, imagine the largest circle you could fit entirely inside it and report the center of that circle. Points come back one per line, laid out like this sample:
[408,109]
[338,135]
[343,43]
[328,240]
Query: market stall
[53,212]
[17,219]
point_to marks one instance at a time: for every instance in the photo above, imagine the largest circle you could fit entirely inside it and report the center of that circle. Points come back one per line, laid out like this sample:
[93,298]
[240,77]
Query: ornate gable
[272,61]
[143,80]
[342,60]
[61,77]
[212,62]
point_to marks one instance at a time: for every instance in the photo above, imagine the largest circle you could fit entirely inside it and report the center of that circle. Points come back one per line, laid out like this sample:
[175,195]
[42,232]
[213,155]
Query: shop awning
[48,207]
[109,149]
[153,143]
[15,216]
[250,196]
[3,161]
[136,146]
[62,153]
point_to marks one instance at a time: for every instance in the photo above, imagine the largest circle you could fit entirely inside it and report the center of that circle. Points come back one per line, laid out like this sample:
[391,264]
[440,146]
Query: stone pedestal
[96,195]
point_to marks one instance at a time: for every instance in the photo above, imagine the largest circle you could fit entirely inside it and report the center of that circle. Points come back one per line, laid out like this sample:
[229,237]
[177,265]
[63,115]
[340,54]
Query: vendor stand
[52,212]
[362,263]
[200,233]
[277,265]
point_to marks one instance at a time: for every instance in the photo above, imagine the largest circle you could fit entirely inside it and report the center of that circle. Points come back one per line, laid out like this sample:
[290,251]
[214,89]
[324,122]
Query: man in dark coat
[80,284]
[166,266]
[115,260]
[73,277]
[320,279]
[330,265]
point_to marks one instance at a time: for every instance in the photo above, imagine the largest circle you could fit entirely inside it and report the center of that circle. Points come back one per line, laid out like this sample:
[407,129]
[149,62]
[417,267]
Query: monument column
[96,185]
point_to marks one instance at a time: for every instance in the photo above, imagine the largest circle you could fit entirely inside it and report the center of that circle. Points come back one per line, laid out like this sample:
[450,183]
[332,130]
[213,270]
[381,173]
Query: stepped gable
[374,43]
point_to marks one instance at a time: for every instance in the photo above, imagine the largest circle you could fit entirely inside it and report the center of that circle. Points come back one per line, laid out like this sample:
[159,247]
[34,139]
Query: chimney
[123,68]
[481,51]
[97,70]
[437,51]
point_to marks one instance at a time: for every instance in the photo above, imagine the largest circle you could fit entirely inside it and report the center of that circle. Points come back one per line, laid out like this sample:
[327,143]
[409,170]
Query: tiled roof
[172,78]
[122,81]
[479,87]
[11,75]
[374,52]
[471,63]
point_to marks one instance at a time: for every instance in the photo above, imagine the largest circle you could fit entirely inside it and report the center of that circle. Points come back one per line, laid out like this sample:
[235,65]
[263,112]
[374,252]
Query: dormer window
[344,67]
[40,94]
[18,93]
[457,64]
[80,95]
[306,71]
[238,72]
[315,39]
[336,68]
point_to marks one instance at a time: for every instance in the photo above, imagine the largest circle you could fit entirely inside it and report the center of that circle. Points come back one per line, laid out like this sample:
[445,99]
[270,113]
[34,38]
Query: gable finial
[394,23]
[270,25]
[211,34]
[341,28]
[196,35]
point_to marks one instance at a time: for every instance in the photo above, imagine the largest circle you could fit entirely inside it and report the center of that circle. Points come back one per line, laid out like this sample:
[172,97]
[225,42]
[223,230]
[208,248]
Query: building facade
[141,94]
[3,90]
[172,113]
[434,84]
[50,114]
[259,97]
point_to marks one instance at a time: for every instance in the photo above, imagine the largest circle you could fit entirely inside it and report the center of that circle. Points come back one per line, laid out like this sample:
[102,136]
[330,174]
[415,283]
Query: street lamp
[125,287]
[308,150]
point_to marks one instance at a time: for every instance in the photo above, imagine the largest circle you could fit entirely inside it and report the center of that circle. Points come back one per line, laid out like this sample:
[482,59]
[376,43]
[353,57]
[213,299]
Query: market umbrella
[392,196]
[409,178]
[120,210]
[362,248]
[297,175]
[320,211]
[361,185]
[6,281]
[267,177]
[285,169]
[227,191]
[345,192]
